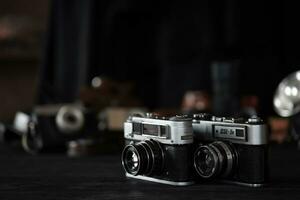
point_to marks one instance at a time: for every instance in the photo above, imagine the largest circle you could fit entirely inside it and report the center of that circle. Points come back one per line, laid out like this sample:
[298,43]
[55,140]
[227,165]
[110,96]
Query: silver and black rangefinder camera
[159,149]
[51,126]
[233,150]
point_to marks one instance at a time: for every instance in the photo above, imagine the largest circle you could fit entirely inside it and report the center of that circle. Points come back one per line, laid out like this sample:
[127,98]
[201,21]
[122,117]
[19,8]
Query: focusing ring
[158,156]
[221,160]
[230,157]
[149,158]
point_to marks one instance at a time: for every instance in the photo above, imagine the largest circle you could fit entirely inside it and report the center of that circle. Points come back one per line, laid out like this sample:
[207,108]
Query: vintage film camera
[51,126]
[159,149]
[233,150]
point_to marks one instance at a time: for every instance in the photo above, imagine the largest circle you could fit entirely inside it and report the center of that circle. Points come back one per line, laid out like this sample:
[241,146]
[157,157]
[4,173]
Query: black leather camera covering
[252,164]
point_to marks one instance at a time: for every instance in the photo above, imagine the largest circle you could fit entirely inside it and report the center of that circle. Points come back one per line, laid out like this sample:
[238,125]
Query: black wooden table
[101,177]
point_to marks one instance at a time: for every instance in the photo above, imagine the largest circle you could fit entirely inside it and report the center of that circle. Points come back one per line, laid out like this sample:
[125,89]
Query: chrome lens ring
[230,157]
[132,159]
[69,119]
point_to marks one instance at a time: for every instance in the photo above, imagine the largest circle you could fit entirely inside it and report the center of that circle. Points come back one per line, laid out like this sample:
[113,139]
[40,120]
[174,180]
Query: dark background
[165,47]
[18,70]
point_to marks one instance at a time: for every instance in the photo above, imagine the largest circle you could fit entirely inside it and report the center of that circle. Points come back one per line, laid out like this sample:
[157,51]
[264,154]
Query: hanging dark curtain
[115,39]
[165,47]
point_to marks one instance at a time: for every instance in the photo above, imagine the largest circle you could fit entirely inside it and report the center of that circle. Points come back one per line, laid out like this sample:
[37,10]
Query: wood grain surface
[56,176]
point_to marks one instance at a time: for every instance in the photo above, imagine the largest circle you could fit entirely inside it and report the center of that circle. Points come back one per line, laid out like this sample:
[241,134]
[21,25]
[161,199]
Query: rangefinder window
[240,133]
[163,131]
[137,128]
[149,129]
[155,130]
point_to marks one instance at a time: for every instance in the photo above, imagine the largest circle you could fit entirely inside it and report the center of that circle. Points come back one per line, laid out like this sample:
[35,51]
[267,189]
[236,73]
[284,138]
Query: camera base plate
[145,178]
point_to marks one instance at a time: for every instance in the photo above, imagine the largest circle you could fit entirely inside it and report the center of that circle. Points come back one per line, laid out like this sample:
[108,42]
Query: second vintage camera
[232,150]
[51,126]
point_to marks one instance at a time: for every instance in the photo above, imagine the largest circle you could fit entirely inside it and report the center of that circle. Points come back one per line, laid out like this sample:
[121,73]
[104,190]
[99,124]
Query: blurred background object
[116,57]
[22,29]
[196,102]
[249,106]
[287,102]
[279,130]
[225,87]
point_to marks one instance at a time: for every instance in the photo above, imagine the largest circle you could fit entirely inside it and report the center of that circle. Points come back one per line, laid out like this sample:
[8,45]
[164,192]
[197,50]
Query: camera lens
[215,159]
[143,158]
[132,160]
[206,161]
[31,140]
[70,119]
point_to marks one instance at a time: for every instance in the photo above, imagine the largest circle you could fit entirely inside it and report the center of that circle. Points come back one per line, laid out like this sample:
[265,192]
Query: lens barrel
[144,158]
[70,119]
[215,159]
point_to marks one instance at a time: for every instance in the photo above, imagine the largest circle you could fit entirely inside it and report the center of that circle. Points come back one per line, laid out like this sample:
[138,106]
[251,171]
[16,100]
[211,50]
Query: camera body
[159,149]
[51,126]
[233,150]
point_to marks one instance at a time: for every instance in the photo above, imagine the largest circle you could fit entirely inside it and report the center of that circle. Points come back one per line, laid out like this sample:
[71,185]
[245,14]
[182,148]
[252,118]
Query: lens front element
[132,160]
[215,159]
[206,161]
[143,158]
